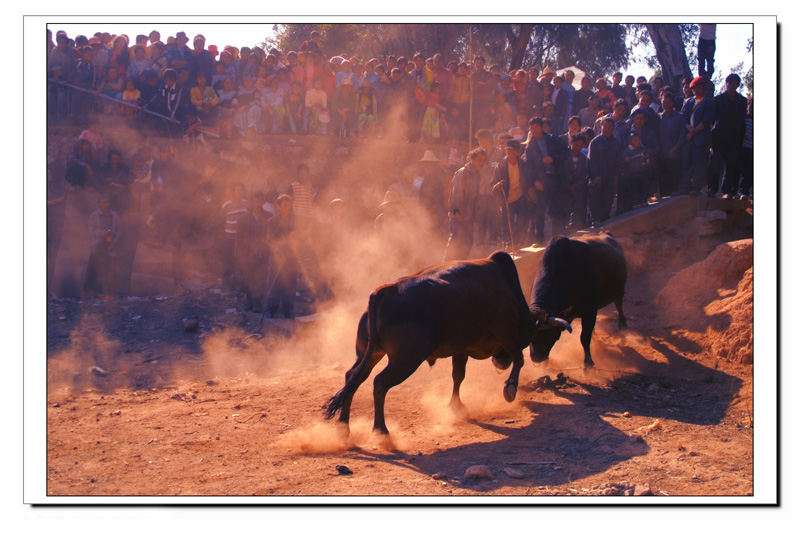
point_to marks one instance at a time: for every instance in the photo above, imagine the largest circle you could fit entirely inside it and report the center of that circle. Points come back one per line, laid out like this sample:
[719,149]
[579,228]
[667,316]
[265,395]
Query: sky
[731,39]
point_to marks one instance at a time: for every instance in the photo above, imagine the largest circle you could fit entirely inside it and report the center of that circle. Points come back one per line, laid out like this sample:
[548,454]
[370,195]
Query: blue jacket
[605,157]
[701,113]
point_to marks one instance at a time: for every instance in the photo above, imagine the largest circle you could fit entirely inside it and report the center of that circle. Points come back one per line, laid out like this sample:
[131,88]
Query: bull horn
[558,322]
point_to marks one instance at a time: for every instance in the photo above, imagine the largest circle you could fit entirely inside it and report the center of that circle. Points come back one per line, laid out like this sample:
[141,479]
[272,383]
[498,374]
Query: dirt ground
[139,404]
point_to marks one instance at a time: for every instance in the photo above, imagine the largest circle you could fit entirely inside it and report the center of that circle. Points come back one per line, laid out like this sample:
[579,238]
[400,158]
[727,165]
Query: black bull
[461,309]
[575,279]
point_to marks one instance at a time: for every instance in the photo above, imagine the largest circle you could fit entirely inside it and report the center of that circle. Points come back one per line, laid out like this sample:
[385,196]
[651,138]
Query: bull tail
[364,364]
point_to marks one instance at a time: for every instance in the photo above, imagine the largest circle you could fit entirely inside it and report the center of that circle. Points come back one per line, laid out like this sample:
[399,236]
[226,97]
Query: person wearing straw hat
[433,191]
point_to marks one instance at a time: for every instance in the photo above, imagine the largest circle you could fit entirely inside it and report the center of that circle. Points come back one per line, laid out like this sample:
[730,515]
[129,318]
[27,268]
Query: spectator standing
[672,134]
[727,137]
[234,209]
[632,184]
[706,47]
[367,108]
[203,61]
[487,218]
[120,54]
[343,110]
[104,233]
[283,266]
[510,182]
[747,153]
[181,56]
[576,171]
[252,249]
[581,98]
[699,111]
[544,159]
[604,162]
[463,206]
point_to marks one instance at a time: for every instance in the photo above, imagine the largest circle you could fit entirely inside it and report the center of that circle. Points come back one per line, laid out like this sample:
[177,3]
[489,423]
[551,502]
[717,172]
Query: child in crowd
[294,104]
[205,100]
[632,187]
[248,107]
[227,99]
[111,87]
[367,107]
[92,135]
[520,129]
[131,95]
[431,119]
[219,76]
[316,102]
[272,107]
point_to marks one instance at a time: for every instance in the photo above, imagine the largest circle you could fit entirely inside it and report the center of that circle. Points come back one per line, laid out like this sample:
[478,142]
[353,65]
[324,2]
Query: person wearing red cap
[699,112]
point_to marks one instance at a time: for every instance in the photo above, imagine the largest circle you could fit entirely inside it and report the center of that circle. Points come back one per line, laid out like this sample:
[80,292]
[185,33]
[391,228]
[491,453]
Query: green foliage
[747,78]
[595,48]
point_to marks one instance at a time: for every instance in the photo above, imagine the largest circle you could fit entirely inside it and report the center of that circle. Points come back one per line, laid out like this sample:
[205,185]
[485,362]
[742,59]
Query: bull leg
[623,323]
[510,390]
[398,370]
[363,373]
[587,326]
[459,372]
[517,361]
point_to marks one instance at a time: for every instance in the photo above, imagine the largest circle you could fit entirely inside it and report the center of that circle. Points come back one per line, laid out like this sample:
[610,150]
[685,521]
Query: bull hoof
[510,392]
[458,409]
[342,430]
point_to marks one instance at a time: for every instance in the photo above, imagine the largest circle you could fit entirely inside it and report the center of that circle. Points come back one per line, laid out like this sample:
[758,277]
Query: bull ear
[568,311]
[560,323]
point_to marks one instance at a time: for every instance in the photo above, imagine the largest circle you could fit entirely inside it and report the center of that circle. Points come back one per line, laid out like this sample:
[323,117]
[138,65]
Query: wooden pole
[471,81]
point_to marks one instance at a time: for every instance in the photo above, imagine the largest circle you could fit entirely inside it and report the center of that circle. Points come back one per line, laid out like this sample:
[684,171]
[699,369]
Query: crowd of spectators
[548,150]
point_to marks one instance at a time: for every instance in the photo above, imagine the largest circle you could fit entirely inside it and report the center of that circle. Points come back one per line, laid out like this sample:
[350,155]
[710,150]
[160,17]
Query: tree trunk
[519,44]
[671,53]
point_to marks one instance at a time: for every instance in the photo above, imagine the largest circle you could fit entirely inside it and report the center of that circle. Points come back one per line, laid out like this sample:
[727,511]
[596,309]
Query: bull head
[546,333]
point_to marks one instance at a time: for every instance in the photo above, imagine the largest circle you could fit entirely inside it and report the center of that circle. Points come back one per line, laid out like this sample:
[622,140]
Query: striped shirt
[302,197]
[234,210]
[748,133]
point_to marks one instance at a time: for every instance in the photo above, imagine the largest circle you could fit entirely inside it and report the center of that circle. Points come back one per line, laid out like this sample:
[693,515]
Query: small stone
[626,414]
[56,405]
[478,471]
[636,438]
[211,382]
[116,413]
[642,490]
[93,480]
[512,472]
[98,371]
[653,388]
[439,475]
[343,470]
[190,325]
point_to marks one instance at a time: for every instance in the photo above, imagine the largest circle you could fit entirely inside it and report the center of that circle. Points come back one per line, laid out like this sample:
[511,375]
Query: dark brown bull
[459,309]
[575,279]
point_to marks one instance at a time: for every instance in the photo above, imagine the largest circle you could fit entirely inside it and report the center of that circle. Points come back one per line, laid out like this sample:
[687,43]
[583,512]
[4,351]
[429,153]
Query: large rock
[700,283]
[714,298]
